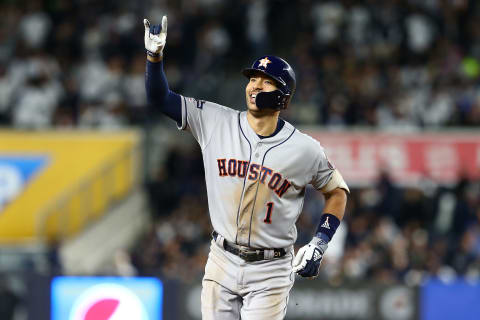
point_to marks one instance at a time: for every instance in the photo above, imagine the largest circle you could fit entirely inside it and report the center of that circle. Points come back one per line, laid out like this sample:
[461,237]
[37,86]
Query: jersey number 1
[268,217]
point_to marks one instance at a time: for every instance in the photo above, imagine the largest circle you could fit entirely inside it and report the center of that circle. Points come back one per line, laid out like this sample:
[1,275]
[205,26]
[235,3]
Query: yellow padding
[85,173]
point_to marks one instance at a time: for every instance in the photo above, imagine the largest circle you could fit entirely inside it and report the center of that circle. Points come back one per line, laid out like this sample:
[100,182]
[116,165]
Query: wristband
[327,227]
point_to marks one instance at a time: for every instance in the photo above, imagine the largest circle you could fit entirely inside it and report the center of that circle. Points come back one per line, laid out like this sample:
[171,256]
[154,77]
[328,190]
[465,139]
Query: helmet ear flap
[287,102]
[276,100]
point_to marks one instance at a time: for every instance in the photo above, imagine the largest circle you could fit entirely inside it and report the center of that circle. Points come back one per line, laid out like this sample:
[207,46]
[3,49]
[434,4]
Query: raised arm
[159,95]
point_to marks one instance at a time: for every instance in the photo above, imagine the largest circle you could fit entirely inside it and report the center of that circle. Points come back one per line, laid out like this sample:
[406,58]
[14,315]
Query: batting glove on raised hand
[155,37]
[308,259]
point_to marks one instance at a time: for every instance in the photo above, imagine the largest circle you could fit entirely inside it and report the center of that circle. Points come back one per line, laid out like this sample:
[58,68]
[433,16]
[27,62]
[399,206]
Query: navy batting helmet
[281,72]
[277,69]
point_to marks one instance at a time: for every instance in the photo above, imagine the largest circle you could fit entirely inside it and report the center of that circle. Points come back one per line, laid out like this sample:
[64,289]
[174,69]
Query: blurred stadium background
[93,183]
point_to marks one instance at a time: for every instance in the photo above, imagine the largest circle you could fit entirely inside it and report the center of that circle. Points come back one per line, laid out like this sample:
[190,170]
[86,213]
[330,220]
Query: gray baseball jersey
[255,186]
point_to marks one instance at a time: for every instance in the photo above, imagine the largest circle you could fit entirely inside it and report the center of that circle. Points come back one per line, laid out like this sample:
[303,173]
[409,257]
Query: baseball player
[257,167]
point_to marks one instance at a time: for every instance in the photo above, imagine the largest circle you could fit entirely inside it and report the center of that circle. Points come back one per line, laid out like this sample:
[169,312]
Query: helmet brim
[250,72]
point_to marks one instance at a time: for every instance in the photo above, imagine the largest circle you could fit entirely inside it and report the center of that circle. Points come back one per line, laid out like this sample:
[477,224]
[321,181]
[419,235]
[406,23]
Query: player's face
[258,83]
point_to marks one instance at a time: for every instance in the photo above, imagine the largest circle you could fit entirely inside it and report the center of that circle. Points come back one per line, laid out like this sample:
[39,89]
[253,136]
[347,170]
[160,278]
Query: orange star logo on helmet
[264,62]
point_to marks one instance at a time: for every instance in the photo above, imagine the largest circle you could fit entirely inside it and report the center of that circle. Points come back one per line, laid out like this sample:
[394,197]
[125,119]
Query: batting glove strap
[152,54]
[308,259]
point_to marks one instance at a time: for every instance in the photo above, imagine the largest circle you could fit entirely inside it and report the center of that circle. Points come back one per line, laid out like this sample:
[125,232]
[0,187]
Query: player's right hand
[308,259]
[155,37]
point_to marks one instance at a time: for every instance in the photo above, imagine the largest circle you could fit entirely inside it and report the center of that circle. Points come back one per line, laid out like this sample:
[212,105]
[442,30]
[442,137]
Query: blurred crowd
[390,234]
[396,64]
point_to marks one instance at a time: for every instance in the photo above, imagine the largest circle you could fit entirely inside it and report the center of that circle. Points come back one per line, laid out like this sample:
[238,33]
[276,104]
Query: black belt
[249,254]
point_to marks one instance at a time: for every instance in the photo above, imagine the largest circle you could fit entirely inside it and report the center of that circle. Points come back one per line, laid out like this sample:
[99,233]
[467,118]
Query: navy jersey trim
[256,191]
[280,124]
[246,173]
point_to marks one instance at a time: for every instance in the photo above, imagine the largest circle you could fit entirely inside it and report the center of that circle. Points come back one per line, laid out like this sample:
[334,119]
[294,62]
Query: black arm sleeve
[159,95]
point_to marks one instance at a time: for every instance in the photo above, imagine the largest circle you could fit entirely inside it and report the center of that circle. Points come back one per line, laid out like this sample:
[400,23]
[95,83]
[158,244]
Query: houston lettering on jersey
[240,168]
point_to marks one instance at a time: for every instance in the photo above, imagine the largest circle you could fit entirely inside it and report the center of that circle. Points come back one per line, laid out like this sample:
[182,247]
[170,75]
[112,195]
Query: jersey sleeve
[322,170]
[200,118]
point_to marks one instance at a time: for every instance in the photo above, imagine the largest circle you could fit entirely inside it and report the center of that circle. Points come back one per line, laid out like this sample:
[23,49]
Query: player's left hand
[155,37]
[308,259]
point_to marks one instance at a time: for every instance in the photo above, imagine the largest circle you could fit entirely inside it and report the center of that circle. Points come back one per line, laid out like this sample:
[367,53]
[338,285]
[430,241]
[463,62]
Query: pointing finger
[164,24]
[146,23]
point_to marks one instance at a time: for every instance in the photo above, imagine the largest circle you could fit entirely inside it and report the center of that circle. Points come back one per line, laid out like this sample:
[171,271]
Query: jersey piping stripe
[246,175]
[184,125]
[258,182]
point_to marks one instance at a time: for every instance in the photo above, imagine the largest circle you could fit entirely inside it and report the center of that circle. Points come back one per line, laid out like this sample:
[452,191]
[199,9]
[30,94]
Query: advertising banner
[106,298]
[407,158]
[110,298]
[315,300]
[457,299]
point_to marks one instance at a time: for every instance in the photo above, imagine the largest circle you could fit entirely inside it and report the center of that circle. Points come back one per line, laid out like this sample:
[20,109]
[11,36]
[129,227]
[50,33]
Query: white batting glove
[155,37]
[309,257]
